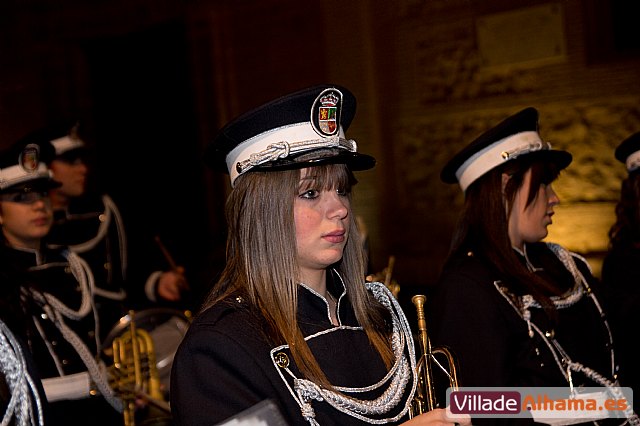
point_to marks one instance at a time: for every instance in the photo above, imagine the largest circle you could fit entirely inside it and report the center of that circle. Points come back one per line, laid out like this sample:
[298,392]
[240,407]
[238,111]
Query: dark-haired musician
[621,265]
[518,311]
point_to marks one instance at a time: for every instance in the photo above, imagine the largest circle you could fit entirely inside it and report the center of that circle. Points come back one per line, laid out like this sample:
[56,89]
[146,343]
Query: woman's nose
[338,205]
[553,197]
[83,168]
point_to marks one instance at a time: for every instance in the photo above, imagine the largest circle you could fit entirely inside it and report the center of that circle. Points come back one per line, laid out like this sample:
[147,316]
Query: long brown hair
[261,231]
[483,227]
[625,232]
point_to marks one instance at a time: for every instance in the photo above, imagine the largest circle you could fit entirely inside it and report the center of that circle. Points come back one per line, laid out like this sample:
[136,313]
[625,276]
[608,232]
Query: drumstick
[167,255]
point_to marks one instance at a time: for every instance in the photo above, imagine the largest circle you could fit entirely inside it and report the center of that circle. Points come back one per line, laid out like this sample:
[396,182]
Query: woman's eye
[342,192]
[310,194]
[22,197]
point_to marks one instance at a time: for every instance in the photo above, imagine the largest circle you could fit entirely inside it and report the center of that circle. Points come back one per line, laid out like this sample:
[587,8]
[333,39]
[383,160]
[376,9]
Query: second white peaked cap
[512,138]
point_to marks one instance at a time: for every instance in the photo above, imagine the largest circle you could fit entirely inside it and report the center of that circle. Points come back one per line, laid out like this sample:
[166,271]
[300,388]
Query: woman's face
[72,175]
[322,225]
[528,224]
[25,218]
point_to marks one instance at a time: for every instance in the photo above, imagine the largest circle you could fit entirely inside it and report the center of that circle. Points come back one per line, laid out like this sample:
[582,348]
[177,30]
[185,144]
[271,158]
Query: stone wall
[440,89]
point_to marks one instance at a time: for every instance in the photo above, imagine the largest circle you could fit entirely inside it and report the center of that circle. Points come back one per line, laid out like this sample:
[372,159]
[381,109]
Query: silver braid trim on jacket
[56,311]
[24,394]
[396,380]
[563,361]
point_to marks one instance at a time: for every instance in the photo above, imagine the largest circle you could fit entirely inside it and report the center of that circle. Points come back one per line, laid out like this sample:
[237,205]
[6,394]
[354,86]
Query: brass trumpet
[425,397]
[134,373]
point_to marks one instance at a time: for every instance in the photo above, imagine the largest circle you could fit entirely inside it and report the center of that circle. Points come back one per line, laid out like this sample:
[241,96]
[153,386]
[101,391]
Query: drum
[166,327]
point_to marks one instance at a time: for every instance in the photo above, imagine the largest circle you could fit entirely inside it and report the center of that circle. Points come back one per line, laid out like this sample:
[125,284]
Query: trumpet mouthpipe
[425,396]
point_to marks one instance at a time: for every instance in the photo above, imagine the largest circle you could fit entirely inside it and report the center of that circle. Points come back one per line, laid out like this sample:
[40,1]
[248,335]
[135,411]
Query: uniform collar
[24,256]
[313,307]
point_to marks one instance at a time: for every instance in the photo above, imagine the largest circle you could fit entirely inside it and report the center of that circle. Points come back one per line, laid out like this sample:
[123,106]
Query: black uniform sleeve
[216,375]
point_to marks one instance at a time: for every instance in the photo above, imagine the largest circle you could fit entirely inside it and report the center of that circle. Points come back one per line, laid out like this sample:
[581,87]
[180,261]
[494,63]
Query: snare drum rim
[124,322]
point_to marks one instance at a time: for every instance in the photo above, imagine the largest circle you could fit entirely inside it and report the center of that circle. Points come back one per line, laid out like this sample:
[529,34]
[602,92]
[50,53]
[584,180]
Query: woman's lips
[335,236]
[40,221]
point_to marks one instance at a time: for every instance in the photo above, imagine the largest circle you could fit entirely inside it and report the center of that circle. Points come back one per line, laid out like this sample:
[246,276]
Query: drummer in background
[91,225]
[55,303]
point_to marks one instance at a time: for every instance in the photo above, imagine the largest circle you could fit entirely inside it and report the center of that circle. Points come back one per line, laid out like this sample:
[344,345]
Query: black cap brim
[627,147]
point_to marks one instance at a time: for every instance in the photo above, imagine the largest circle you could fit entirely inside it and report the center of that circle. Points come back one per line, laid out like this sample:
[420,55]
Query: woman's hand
[172,284]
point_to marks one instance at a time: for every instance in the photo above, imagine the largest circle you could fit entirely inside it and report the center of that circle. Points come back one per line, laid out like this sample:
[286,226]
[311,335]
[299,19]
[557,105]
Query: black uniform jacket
[48,271]
[13,318]
[472,317]
[92,227]
[621,280]
[492,341]
[36,392]
[224,366]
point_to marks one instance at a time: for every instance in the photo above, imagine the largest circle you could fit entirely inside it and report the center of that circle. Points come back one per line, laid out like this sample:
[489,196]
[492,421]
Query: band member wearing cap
[92,226]
[621,265]
[55,301]
[291,319]
[517,311]
[22,397]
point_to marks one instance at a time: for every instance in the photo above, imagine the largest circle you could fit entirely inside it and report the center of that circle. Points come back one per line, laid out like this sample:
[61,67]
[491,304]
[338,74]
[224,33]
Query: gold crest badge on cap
[29,158]
[326,111]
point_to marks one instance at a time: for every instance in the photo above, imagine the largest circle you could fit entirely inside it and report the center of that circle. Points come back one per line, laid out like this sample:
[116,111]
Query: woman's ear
[505,179]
